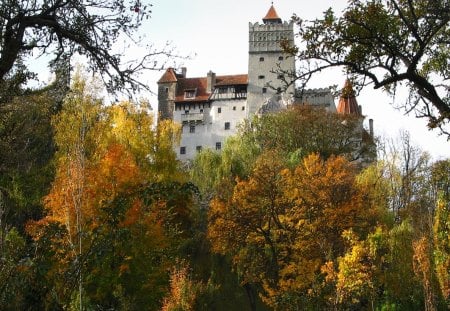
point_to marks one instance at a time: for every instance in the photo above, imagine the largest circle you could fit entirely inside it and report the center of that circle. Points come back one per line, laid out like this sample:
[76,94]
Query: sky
[214,33]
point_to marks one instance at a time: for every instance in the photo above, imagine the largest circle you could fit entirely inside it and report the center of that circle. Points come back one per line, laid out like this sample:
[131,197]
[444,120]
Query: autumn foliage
[287,216]
[281,226]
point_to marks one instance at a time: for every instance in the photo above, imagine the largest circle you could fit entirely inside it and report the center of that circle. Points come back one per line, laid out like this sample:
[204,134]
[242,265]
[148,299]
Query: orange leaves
[116,171]
[281,226]
[133,214]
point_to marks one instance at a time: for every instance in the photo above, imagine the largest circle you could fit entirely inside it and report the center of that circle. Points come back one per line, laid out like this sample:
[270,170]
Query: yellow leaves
[132,127]
[283,227]
[356,270]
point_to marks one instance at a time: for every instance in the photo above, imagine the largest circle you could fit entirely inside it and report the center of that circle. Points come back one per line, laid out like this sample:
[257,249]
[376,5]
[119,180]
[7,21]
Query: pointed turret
[347,101]
[168,76]
[272,16]
[167,86]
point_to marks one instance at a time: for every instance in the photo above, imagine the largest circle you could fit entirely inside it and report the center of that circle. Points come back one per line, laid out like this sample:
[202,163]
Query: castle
[210,108]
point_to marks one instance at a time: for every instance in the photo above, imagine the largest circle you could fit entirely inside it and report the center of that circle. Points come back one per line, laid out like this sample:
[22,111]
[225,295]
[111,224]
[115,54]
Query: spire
[272,16]
[347,101]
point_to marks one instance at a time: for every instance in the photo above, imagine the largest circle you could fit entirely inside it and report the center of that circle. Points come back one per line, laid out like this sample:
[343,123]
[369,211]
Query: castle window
[186,112]
[167,90]
[280,57]
[218,145]
[227,125]
[192,129]
[234,107]
[261,59]
[243,108]
[261,77]
[198,148]
[183,150]
[264,90]
[189,93]
[219,110]
[201,110]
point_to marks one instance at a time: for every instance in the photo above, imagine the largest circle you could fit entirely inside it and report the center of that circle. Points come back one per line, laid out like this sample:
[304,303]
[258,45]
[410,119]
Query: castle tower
[167,87]
[267,62]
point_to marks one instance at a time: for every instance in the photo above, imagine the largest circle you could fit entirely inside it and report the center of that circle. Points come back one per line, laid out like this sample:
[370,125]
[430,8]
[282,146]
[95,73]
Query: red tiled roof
[347,102]
[272,15]
[200,84]
[168,76]
[232,80]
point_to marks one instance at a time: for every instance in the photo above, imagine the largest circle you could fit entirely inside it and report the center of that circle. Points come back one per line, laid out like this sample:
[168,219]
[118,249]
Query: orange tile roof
[232,80]
[347,102]
[200,85]
[271,15]
[168,76]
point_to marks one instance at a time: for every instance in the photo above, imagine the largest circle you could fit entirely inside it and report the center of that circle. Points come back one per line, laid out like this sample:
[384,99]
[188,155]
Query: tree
[441,228]
[371,273]
[89,28]
[302,130]
[280,226]
[407,171]
[423,269]
[183,290]
[26,141]
[119,210]
[356,282]
[386,43]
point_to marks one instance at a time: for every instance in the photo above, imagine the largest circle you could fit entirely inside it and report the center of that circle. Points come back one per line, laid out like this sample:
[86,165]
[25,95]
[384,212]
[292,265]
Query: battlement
[267,37]
[270,27]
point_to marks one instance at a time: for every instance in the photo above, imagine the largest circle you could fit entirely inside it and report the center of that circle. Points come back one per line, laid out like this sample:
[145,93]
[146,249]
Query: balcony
[229,95]
[192,117]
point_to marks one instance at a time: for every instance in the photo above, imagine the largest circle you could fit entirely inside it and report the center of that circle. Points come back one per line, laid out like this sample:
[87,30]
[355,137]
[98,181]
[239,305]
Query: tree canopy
[59,28]
[386,43]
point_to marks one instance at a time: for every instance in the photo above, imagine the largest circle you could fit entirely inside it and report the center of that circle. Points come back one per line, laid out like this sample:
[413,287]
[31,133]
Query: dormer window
[189,93]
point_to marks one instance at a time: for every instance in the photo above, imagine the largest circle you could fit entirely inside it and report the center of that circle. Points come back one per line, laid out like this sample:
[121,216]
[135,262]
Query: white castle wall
[211,129]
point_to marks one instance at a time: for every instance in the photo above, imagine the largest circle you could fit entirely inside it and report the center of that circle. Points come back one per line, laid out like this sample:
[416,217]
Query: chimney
[371,127]
[183,72]
[210,82]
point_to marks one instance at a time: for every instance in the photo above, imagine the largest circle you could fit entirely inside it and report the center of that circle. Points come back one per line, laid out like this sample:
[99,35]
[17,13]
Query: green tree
[385,43]
[26,141]
[303,130]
